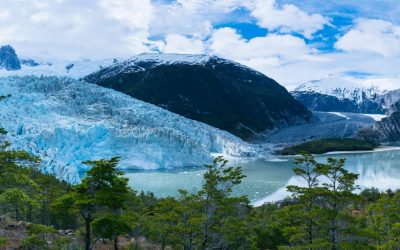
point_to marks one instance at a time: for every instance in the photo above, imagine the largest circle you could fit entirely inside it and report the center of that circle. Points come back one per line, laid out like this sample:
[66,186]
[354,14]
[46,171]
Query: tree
[212,218]
[110,226]
[17,189]
[14,167]
[38,236]
[325,199]
[162,226]
[189,207]
[3,131]
[220,209]
[17,201]
[307,196]
[65,210]
[381,218]
[111,189]
[103,189]
[337,193]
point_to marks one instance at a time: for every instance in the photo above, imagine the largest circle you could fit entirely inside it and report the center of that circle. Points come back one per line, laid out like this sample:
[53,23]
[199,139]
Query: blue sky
[292,41]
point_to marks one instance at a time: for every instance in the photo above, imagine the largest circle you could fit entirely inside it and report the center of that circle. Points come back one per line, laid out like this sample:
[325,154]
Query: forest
[103,212]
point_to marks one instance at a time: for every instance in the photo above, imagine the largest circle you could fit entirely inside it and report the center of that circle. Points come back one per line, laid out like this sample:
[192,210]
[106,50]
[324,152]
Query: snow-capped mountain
[66,121]
[334,94]
[340,88]
[209,89]
[389,100]
[12,65]
[57,67]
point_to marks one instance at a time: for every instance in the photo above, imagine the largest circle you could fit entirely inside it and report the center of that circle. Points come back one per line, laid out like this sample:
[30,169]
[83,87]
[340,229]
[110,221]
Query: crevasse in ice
[66,121]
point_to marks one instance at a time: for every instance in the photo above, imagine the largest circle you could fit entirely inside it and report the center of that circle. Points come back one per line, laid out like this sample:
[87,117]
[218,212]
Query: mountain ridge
[210,89]
[334,94]
[386,130]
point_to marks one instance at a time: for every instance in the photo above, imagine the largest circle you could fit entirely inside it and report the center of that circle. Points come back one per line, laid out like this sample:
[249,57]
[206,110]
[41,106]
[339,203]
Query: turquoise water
[266,180]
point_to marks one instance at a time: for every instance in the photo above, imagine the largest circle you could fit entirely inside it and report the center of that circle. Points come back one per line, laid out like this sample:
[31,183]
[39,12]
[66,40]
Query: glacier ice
[67,121]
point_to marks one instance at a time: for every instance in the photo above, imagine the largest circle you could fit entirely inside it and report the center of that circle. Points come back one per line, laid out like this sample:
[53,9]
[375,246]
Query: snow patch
[376,117]
[340,114]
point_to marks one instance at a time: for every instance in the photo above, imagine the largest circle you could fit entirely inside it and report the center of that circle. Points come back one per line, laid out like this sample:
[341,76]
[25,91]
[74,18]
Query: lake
[266,179]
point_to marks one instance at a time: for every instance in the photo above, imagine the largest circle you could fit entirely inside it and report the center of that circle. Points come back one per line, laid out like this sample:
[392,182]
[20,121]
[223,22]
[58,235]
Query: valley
[178,121]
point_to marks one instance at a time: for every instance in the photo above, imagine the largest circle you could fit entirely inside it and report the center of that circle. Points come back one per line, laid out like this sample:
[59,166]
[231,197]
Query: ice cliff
[66,121]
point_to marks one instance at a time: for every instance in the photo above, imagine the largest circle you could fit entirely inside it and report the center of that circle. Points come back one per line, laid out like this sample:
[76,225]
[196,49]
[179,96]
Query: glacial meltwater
[266,180]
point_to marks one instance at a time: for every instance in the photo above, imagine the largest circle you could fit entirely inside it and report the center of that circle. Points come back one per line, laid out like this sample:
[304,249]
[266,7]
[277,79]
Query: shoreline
[280,194]
[378,149]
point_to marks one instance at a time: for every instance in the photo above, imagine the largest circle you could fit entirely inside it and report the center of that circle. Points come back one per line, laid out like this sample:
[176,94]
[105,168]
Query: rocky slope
[329,125]
[335,94]
[9,59]
[386,130]
[209,89]
[389,98]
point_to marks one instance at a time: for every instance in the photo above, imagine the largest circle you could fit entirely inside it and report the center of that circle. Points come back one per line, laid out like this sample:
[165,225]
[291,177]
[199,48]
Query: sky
[292,41]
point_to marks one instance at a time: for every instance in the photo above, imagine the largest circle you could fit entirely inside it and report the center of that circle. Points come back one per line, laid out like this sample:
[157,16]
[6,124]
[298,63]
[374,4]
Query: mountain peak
[209,89]
[155,59]
[8,58]
[328,84]
[172,58]
[336,94]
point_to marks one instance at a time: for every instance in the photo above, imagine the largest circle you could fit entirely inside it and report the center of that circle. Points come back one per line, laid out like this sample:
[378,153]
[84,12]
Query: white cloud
[390,83]
[289,18]
[136,14]
[228,43]
[378,69]
[117,28]
[183,45]
[372,35]
[75,28]
[122,28]
[195,18]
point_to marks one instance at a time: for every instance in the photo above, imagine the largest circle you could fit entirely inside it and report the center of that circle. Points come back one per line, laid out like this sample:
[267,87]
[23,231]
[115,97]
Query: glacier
[66,121]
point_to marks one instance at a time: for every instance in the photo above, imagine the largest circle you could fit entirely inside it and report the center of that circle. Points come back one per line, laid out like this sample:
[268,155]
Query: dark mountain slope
[8,58]
[212,90]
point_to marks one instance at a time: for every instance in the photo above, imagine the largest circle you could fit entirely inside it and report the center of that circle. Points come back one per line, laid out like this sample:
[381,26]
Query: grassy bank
[328,145]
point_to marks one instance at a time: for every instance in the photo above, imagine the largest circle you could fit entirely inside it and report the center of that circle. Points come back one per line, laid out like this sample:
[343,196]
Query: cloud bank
[294,42]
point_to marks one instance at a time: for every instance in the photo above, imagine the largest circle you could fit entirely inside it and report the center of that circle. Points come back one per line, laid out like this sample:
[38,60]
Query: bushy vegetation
[328,145]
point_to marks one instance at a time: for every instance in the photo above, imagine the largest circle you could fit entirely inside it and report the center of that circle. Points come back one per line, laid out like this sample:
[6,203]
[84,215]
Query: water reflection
[380,169]
[266,180]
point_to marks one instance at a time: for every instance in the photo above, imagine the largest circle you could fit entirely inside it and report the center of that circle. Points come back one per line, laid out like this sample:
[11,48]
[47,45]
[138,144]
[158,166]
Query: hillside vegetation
[328,145]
